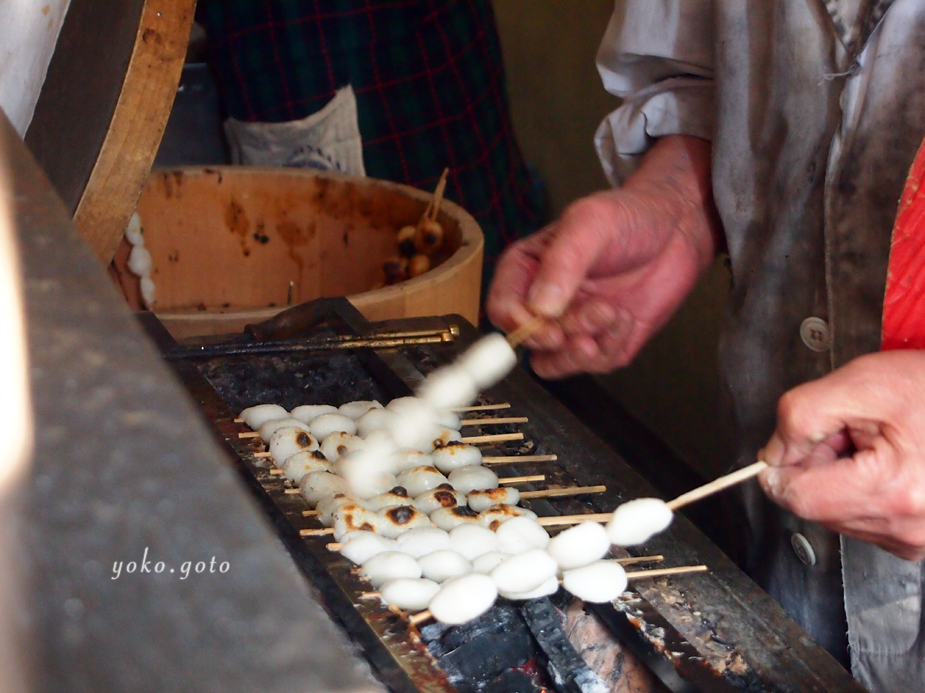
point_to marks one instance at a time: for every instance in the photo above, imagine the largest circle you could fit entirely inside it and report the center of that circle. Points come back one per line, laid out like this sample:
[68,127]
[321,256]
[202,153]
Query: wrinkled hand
[614,267]
[849,451]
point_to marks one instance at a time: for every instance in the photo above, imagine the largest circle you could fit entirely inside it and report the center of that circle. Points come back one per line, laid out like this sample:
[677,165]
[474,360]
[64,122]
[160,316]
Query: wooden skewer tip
[483,407]
[514,459]
[555,520]
[493,438]
[663,572]
[494,422]
[658,558]
[420,617]
[717,485]
[555,492]
[521,333]
[512,480]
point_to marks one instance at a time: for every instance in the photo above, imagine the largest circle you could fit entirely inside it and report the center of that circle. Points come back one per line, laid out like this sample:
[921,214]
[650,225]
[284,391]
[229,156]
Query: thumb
[579,238]
[855,398]
[830,491]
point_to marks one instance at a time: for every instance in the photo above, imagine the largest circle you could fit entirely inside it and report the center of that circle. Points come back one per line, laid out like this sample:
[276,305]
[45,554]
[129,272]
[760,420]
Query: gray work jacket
[816,109]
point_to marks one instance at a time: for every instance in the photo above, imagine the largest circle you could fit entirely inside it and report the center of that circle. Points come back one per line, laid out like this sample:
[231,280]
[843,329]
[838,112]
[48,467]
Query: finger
[580,237]
[838,491]
[552,365]
[549,337]
[581,354]
[599,354]
[814,412]
[514,274]
[615,345]
[592,316]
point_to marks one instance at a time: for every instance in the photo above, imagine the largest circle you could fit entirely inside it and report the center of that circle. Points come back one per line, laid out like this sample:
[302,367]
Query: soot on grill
[291,379]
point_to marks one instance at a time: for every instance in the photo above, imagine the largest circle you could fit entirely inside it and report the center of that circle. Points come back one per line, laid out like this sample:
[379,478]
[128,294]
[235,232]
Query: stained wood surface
[137,125]
[102,112]
[235,245]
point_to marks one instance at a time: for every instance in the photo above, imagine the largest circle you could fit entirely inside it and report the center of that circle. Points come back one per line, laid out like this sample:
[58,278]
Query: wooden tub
[233,245]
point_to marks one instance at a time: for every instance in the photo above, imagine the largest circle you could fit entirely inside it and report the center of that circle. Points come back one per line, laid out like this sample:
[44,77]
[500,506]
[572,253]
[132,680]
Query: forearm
[676,173]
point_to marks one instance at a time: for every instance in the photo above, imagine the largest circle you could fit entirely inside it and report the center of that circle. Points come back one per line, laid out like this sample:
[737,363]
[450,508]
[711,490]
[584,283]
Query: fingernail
[773,452]
[547,299]
[772,483]
[599,315]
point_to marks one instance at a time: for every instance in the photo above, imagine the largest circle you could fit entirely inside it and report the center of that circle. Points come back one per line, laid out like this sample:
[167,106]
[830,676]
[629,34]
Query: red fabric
[904,303]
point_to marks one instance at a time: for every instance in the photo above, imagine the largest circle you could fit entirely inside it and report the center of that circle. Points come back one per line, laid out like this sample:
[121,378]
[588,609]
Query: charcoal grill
[708,632]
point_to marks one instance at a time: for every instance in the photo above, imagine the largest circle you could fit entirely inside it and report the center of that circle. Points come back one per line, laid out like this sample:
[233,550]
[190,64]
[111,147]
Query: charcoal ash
[478,656]
[511,681]
[291,380]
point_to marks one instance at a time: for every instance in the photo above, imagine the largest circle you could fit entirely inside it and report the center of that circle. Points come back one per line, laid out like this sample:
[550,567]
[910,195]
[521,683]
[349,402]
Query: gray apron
[816,109]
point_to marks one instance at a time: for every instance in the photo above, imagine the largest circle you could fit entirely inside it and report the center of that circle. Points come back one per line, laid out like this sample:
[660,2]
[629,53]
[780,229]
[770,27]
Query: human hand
[849,451]
[614,267]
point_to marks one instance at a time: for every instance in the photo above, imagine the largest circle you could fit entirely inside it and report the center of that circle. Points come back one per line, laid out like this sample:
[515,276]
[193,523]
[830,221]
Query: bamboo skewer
[514,480]
[420,617]
[555,520]
[633,560]
[493,438]
[506,481]
[542,493]
[498,421]
[471,440]
[662,572]
[474,407]
[521,333]
[483,407]
[709,489]
[556,492]
[718,485]
[433,206]
[464,422]
[425,615]
[515,459]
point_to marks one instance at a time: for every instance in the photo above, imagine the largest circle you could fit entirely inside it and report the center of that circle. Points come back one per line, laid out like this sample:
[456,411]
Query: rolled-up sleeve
[656,55]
